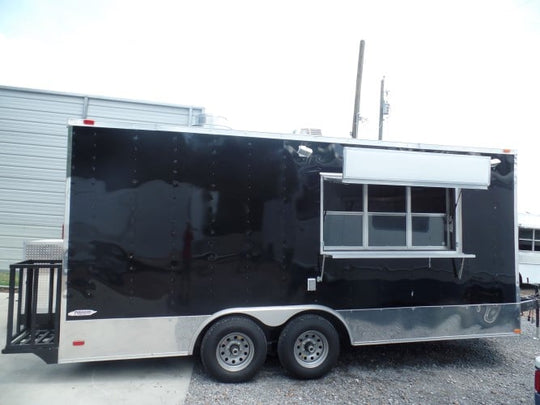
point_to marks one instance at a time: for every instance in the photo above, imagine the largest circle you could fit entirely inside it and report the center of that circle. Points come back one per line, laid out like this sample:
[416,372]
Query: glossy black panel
[166,223]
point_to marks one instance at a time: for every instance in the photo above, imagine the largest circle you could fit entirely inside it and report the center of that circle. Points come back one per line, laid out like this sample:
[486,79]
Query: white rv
[529,248]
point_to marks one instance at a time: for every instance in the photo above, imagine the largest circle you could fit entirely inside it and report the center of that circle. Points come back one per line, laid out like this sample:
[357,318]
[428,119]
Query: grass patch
[4,278]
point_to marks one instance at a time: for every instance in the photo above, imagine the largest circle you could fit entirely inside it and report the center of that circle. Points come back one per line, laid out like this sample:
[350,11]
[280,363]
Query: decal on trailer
[82,312]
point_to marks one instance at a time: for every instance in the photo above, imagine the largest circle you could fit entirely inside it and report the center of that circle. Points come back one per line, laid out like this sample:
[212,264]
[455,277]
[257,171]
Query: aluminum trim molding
[411,324]
[110,339]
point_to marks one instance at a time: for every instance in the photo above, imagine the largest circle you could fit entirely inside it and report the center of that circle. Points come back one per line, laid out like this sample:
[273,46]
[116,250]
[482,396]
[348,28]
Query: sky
[460,72]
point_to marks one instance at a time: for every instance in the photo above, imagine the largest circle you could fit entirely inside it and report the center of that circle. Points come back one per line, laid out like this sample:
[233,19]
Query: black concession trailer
[193,240]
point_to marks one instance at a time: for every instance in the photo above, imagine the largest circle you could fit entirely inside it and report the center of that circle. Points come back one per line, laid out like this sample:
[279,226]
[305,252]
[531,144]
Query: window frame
[406,251]
[531,240]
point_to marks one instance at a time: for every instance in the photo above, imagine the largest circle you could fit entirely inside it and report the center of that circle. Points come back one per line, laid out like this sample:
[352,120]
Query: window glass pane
[342,230]
[386,199]
[428,200]
[525,245]
[429,231]
[537,246]
[342,197]
[387,230]
[525,233]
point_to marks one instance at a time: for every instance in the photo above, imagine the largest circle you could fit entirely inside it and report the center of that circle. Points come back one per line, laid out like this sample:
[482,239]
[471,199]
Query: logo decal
[82,312]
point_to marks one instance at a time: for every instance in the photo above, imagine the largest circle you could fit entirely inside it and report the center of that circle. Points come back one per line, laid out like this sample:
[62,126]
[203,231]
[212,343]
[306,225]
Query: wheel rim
[310,348]
[235,351]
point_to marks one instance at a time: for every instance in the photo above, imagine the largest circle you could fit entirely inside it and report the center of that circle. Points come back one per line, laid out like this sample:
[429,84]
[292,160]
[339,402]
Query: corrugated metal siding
[32,166]
[33,140]
[140,113]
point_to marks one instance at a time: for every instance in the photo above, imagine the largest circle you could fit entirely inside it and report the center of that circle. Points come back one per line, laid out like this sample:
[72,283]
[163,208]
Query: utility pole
[356,116]
[382,106]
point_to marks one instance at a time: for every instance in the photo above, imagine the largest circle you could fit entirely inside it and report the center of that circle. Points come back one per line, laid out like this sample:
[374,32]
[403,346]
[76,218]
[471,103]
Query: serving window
[375,220]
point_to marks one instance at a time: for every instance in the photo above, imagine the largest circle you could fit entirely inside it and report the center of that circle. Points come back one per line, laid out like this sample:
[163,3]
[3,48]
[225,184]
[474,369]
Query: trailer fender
[269,316]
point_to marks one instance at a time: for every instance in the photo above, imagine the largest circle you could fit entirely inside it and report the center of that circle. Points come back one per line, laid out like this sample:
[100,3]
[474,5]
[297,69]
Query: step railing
[34,308]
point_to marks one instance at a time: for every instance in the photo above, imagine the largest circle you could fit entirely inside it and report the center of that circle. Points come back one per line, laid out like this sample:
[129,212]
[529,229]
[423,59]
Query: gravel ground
[478,371]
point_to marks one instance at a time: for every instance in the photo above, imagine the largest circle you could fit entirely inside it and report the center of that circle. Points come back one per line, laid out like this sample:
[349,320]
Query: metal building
[33,141]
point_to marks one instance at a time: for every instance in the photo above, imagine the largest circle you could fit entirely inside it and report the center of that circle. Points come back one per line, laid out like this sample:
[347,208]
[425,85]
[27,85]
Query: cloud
[458,72]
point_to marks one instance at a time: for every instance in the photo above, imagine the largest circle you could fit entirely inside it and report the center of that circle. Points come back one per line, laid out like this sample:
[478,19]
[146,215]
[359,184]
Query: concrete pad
[26,379]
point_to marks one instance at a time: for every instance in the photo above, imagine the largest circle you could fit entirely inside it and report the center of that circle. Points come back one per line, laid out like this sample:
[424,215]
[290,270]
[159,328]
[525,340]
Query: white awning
[410,168]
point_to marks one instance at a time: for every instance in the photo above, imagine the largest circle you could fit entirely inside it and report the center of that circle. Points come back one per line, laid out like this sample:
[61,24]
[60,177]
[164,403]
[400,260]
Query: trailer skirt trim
[411,324]
[112,339]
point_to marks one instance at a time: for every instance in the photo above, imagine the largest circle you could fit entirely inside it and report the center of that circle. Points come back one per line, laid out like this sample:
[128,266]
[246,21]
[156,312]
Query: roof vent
[213,121]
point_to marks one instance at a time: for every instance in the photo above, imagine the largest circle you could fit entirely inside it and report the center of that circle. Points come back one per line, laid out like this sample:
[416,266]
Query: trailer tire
[233,349]
[308,347]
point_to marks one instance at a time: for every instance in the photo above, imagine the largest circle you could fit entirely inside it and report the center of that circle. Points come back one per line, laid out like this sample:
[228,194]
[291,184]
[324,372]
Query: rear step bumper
[34,309]
[42,344]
